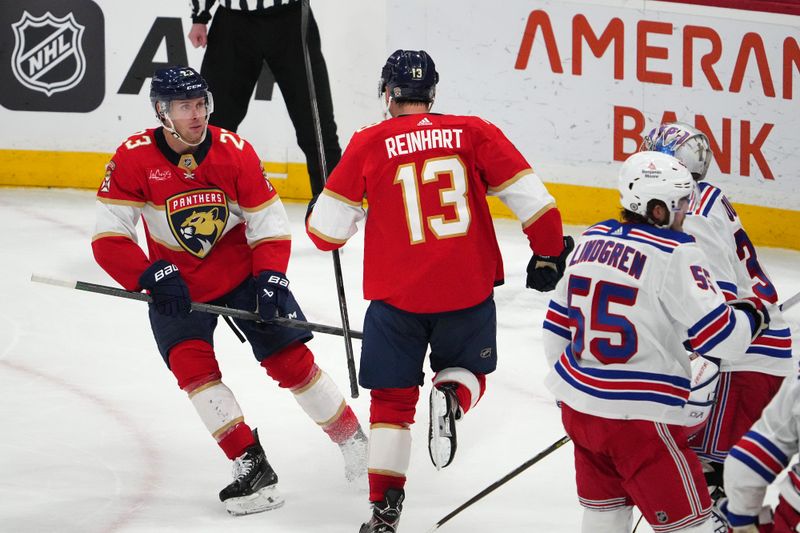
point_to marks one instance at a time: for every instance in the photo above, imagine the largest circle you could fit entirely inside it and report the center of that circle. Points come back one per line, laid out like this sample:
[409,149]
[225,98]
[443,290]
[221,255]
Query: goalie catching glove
[544,271]
[754,307]
[272,292]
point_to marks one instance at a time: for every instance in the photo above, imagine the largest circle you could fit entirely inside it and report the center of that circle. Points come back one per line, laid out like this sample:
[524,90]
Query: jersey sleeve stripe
[260,206]
[115,201]
[712,329]
[518,176]
[728,289]
[760,455]
[105,234]
[773,343]
[536,216]
[526,196]
[557,321]
[324,237]
[271,239]
[342,199]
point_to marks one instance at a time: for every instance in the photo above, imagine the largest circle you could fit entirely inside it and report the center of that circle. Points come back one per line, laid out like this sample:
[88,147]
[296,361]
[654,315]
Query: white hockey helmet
[683,141]
[647,176]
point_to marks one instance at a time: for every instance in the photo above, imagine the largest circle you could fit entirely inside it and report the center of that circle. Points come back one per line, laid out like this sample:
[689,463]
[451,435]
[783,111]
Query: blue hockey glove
[167,289]
[758,313]
[544,271]
[272,293]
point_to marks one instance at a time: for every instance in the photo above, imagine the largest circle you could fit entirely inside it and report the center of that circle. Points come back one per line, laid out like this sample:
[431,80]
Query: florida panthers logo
[197,219]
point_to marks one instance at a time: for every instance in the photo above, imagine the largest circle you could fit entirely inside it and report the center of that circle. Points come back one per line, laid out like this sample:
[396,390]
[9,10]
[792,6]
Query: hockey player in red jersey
[747,384]
[431,260]
[633,292]
[216,232]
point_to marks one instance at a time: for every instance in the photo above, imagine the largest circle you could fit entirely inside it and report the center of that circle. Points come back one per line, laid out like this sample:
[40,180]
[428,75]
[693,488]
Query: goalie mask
[683,141]
[170,88]
[648,176]
[410,75]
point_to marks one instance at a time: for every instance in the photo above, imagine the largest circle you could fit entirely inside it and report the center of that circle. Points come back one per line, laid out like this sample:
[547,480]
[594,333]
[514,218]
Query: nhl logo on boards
[52,55]
[197,219]
[48,52]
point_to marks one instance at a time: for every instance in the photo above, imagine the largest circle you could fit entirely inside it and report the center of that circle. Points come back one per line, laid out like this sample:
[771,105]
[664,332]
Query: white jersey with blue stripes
[733,261]
[614,333]
[762,453]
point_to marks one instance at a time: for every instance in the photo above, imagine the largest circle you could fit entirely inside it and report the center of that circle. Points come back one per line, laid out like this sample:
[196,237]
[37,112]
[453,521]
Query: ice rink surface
[98,438]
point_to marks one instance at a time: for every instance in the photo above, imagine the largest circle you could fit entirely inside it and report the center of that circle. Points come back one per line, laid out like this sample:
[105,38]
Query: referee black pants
[238,44]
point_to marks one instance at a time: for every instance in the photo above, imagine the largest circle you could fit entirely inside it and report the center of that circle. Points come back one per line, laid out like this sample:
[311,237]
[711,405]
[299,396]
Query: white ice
[96,436]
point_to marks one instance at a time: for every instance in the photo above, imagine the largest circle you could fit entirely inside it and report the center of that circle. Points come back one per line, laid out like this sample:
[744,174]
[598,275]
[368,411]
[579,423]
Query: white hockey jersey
[734,264]
[614,332]
[762,454]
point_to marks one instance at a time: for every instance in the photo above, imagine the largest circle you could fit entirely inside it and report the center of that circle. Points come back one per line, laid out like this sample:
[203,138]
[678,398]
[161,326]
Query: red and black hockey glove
[754,307]
[167,289]
[272,292]
[544,271]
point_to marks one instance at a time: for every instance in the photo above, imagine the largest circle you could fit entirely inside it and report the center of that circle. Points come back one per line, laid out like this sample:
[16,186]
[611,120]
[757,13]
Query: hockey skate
[354,451]
[385,514]
[444,411]
[255,484]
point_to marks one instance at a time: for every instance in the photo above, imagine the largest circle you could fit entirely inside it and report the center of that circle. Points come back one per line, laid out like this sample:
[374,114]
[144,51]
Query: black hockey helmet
[409,75]
[177,83]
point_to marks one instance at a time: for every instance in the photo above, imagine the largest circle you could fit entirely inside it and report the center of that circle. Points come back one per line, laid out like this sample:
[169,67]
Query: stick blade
[38,278]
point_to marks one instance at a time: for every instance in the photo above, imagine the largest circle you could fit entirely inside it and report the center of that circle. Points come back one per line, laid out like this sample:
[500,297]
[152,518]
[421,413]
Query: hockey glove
[272,292]
[167,289]
[544,271]
[754,307]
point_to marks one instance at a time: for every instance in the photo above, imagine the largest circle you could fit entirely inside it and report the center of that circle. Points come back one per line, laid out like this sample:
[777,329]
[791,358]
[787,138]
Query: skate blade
[441,434]
[264,499]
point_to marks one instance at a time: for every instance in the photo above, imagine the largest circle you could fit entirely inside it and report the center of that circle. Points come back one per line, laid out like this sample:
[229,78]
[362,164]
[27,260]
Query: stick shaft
[323,166]
[197,306]
[502,481]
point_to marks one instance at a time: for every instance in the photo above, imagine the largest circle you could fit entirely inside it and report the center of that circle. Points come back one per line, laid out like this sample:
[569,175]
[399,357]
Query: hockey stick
[790,302]
[196,306]
[521,468]
[337,264]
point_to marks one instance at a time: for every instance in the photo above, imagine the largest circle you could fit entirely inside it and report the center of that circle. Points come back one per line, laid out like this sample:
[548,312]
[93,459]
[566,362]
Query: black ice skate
[385,514]
[444,411]
[255,484]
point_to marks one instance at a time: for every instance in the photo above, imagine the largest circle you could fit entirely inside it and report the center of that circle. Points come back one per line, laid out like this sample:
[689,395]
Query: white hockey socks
[217,407]
[614,521]
[389,450]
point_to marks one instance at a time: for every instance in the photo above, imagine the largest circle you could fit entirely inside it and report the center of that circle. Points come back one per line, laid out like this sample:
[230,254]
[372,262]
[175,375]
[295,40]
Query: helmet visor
[187,109]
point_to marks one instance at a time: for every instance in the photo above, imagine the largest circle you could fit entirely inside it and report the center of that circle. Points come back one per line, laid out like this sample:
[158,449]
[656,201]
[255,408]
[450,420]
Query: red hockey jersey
[213,213]
[429,243]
